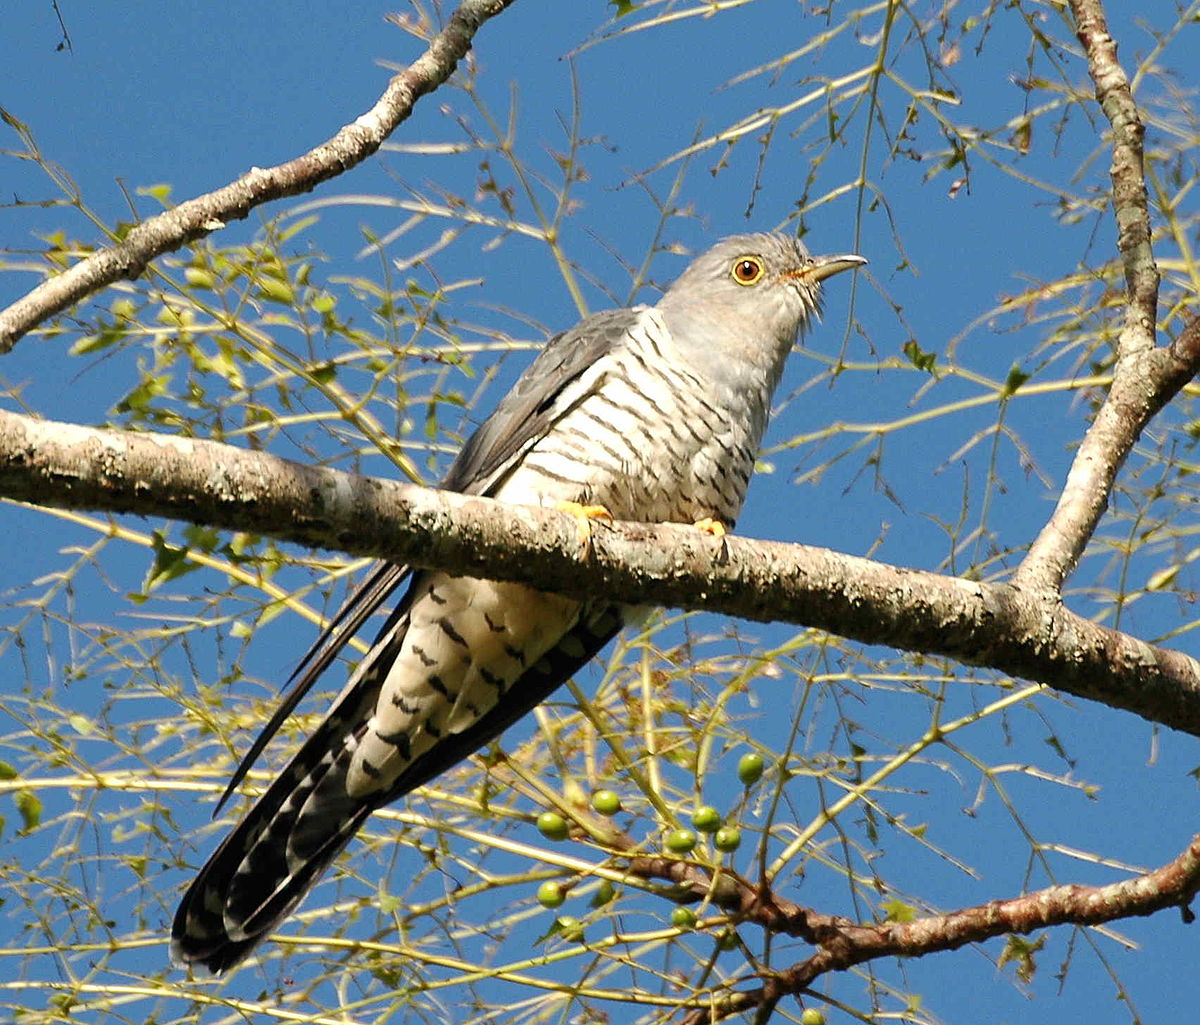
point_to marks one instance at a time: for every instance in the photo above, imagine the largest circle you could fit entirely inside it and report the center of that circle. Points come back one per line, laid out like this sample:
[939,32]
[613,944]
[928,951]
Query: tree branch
[198,217]
[1144,378]
[1142,384]
[988,624]
[1131,206]
[843,944]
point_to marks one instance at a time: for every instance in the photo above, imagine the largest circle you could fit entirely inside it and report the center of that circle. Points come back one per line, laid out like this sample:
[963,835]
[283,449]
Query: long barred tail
[274,856]
[295,830]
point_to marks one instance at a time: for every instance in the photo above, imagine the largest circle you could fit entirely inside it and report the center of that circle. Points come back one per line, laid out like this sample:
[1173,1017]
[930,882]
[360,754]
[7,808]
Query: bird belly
[467,642]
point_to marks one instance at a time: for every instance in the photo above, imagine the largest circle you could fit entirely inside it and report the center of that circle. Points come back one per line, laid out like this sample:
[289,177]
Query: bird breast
[646,436]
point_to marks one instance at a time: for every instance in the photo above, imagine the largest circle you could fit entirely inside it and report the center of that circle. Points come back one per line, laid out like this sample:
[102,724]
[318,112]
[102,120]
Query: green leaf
[323,373]
[296,227]
[204,539]
[897,911]
[7,771]
[200,277]
[623,7]
[160,192]
[276,291]
[919,358]
[1016,378]
[94,343]
[1163,578]
[81,724]
[30,806]
[170,562]
[1020,952]
[138,400]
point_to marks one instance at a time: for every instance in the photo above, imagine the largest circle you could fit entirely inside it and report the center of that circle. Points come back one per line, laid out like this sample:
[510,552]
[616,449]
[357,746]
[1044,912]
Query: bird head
[743,303]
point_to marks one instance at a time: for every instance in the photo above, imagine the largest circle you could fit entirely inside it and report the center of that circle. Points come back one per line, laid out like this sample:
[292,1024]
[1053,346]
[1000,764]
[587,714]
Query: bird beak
[823,267]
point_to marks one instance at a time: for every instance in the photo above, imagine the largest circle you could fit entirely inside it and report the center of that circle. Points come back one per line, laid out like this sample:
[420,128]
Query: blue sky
[190,97]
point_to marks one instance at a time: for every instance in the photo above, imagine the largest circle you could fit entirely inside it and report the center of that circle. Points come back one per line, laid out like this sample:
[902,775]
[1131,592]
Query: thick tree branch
[205,214]
[996,625]
[843,944]
[1144,378]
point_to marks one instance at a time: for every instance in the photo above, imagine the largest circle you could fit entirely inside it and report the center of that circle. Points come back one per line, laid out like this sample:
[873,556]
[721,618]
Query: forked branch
[1145,378]
[842,944]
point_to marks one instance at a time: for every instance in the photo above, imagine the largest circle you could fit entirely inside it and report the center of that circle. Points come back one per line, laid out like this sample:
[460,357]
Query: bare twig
[996,625]
[208,213]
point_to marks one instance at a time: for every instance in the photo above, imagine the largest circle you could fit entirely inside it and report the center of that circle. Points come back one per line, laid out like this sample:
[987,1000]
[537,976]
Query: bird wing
[533,405]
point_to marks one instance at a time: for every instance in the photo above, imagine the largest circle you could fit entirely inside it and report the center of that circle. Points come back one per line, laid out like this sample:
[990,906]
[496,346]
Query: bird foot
[585,515]
[710,526]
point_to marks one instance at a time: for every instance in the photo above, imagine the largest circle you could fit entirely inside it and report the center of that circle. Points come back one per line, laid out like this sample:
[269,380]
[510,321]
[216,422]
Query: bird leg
[715,528]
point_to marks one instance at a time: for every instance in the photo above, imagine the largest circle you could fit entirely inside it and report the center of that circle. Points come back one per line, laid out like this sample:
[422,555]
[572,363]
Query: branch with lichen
[998,625]
[1142,379]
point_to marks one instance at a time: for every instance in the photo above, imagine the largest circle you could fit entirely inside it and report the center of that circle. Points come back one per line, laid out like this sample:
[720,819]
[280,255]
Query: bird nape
[654,413]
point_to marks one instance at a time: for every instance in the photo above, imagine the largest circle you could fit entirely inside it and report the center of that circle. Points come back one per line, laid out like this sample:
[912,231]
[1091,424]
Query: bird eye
[747,270]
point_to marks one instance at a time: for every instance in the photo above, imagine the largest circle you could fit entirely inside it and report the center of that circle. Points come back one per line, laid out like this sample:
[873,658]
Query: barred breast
[645,437]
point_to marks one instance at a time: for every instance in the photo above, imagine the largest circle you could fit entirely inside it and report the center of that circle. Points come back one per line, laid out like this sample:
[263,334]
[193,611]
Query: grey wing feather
[528,411]
[520,420]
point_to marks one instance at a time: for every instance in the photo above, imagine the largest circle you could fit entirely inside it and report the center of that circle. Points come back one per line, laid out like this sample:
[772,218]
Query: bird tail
[274,857]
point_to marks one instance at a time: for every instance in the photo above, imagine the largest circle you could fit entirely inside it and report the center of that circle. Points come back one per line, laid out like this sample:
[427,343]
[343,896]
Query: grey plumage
[655,413]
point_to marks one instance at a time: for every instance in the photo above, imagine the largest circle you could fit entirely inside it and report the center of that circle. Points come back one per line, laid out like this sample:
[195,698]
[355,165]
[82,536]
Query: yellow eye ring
[747,270]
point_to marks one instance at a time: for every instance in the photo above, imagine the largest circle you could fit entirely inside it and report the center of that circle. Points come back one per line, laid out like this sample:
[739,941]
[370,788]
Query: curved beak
[823,267]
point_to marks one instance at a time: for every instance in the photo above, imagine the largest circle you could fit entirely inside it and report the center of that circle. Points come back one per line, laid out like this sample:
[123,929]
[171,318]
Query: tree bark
[1017,630]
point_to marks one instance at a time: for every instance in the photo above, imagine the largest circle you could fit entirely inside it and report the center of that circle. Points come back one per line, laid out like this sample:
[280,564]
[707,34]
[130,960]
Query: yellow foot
[710,526]
[584,515]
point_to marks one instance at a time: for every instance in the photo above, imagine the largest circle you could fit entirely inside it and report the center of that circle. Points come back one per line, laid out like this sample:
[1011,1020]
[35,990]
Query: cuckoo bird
[653,413]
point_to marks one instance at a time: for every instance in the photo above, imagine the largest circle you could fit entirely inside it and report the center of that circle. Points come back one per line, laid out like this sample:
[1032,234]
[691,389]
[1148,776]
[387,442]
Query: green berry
[750,768]
[681,841]
[728,838]
[552,825]
[570,929]
[811,1016]
[606,802]
[683,918]
[706,819]
[604,894]
[550,894]
[728,940]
